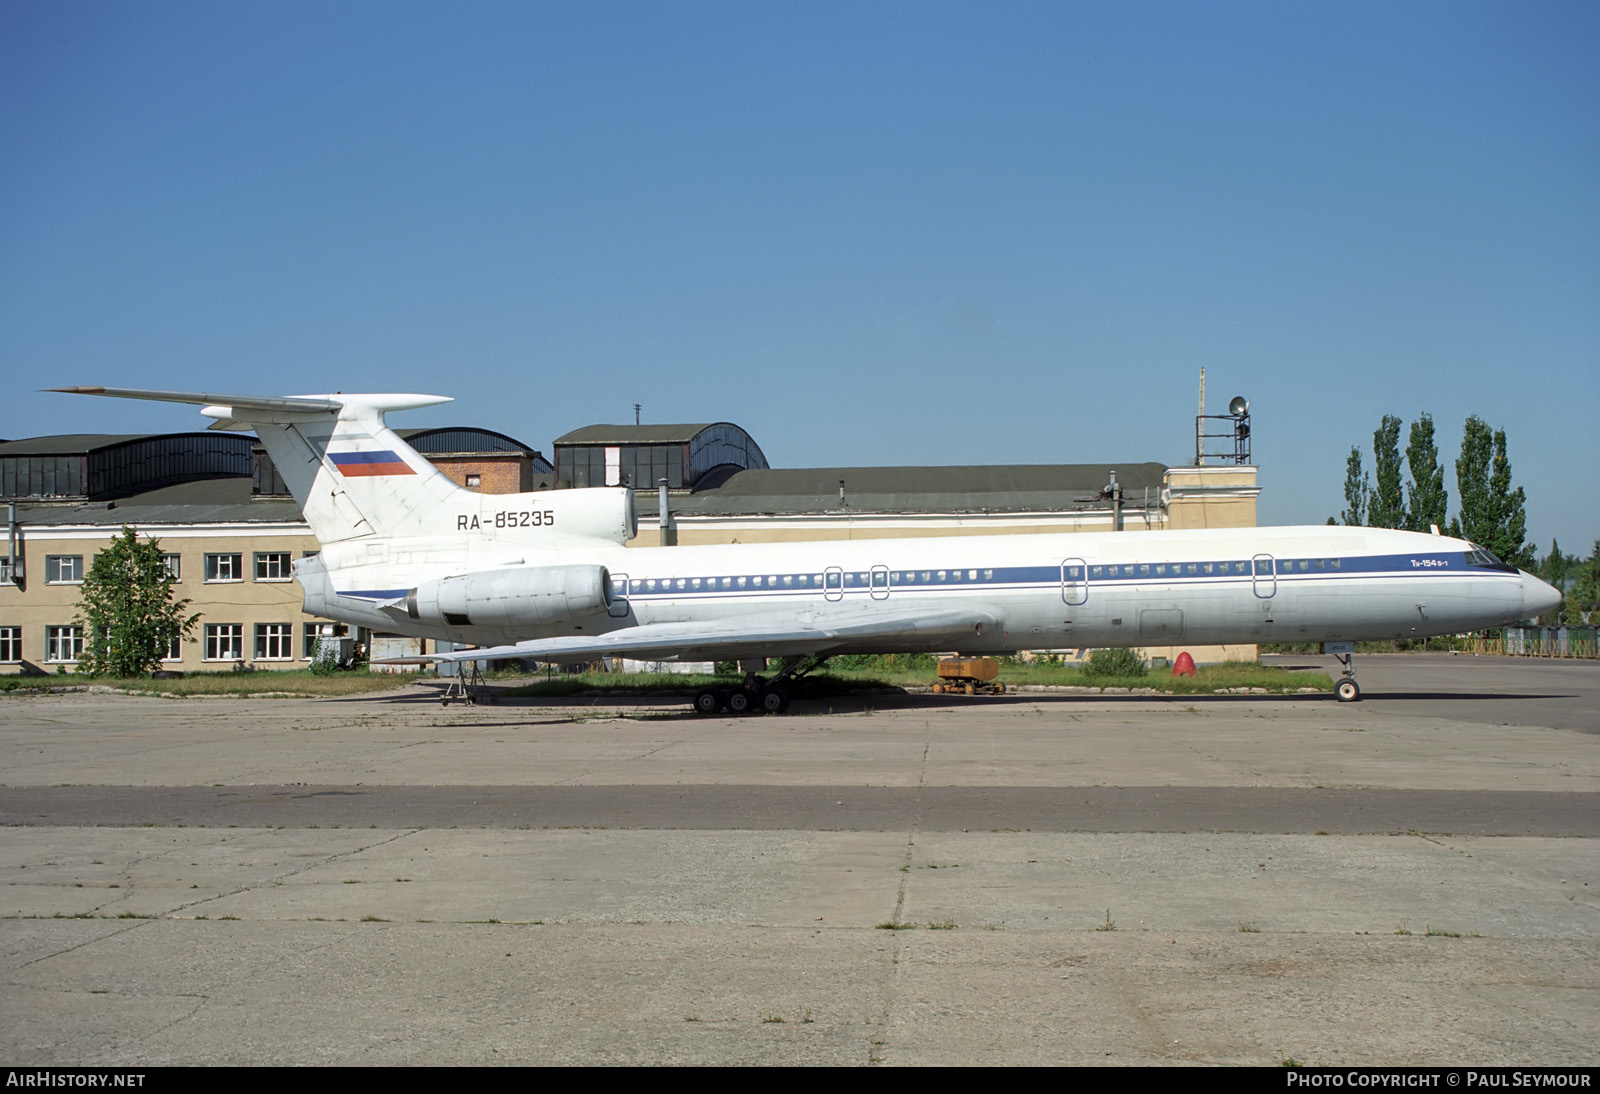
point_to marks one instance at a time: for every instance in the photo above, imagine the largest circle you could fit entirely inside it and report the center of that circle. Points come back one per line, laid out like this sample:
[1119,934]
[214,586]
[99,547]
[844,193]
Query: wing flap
[734,639]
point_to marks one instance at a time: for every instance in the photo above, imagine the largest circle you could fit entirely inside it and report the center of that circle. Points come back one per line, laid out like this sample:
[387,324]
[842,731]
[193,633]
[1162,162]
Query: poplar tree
[126,609]
[1386,505]
[1492,513]
[1427,498]
[1356,490]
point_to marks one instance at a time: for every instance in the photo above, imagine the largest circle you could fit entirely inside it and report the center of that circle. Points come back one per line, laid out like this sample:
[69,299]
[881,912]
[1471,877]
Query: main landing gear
[757,695]
[1346,689]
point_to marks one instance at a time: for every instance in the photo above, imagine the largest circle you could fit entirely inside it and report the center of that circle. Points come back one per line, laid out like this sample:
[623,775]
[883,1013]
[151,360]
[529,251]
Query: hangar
[231,530]
[225,521]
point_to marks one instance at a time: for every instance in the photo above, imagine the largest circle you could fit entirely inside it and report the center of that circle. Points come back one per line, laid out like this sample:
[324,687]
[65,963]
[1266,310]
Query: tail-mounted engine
[526,596]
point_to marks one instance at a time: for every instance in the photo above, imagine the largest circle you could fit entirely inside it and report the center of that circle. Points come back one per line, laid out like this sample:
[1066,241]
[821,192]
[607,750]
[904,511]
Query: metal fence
[1538,642]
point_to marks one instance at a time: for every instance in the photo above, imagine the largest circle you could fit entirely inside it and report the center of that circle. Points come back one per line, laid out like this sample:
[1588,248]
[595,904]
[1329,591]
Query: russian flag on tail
[364,464]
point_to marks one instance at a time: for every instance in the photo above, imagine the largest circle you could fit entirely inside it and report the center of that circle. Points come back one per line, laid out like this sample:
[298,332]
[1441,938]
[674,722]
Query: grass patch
[640,684]
[618,683]
[1207,680]
[295,682]
[845,675]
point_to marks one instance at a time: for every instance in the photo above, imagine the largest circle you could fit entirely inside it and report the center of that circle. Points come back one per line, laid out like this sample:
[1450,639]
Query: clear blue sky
[891,232]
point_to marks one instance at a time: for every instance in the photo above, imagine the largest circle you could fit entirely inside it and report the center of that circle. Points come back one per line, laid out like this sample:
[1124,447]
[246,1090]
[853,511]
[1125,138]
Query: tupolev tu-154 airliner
[545,576]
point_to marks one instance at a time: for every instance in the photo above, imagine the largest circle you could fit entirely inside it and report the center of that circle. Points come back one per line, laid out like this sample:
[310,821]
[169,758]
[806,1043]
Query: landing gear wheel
[1348,691]
[742,701]
[707,702]
[774,699]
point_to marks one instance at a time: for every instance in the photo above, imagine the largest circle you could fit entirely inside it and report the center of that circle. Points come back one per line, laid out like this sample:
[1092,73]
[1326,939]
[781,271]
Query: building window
[174,649]
[224,567]
[5,569]
[274,641]
[174,565]
[63,644]
[474,481]
[63,570]
[225,641]
[272,566]
[10,645]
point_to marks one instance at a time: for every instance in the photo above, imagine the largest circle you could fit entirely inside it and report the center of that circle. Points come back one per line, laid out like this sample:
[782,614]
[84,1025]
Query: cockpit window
[1481,556]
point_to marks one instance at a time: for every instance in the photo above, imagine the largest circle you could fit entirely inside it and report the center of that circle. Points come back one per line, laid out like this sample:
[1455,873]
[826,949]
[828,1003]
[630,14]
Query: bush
[1114,664]
[326,660]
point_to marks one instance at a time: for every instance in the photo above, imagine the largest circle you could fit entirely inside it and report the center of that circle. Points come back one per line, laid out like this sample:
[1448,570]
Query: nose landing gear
[1346,689]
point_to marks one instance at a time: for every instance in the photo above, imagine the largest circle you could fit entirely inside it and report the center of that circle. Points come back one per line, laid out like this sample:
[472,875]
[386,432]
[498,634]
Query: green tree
[1426,498]
[1386,505]
[1492,513]
[1583,596]
[1356,490]
[126,608]
[1554,568]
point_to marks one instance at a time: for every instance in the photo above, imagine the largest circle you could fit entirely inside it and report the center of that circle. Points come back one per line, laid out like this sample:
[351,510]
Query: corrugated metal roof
[962,489]
[208,501]
[69,444]
[496,442]
[637,434]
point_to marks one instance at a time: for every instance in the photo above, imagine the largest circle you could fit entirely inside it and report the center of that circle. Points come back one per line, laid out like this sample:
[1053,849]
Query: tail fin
[352,475]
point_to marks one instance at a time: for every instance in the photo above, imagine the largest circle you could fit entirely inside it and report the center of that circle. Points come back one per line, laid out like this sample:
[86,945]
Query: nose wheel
[1347,690]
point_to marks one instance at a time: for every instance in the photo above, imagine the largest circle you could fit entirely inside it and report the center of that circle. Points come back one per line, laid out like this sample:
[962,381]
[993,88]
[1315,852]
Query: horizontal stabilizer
[353,476]
[318,404]
[271,408]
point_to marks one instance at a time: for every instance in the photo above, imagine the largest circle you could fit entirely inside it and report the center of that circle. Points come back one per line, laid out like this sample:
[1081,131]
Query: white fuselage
[1298,584]
[407,551]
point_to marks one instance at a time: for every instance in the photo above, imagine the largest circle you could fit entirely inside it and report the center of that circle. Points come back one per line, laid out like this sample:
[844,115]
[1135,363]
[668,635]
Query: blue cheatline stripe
[1013,578]
[1022,578]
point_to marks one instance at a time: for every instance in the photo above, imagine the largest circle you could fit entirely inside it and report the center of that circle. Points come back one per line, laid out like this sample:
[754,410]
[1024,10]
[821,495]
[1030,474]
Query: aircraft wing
[737,639]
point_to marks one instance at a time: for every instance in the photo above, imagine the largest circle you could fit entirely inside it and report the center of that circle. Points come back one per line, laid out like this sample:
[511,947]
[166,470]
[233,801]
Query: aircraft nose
[1538,597]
